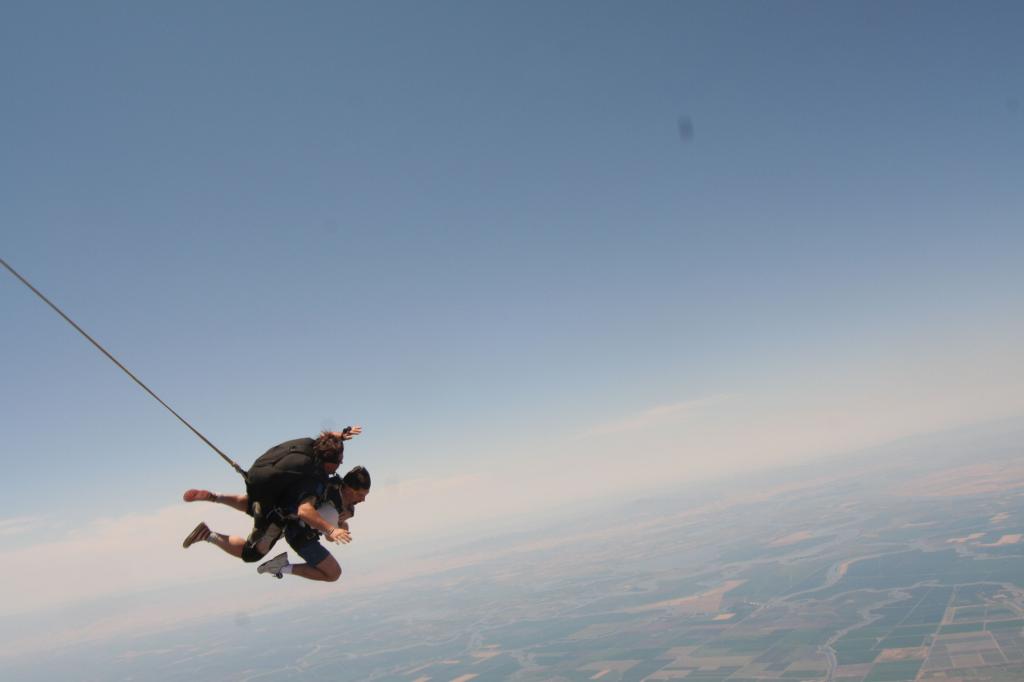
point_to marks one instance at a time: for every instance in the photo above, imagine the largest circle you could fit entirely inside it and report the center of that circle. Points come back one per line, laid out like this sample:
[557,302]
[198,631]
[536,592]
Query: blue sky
[474,229]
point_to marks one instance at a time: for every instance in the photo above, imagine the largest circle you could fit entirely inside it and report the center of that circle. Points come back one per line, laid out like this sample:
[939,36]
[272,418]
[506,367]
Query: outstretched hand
[339,536]
[351,432]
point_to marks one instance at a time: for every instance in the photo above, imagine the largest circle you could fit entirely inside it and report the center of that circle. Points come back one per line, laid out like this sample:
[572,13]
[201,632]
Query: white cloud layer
[18,525]
[655,416]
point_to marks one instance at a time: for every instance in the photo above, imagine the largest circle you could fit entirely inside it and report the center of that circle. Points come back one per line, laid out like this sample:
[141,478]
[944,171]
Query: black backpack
[278,469]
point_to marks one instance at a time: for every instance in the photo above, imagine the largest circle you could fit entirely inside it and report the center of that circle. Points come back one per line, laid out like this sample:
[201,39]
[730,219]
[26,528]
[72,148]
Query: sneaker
[274,566]
[194,495]
[198,534]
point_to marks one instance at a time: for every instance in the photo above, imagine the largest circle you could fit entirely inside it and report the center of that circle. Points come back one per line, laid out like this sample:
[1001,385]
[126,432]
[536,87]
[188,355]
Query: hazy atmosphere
[555,258]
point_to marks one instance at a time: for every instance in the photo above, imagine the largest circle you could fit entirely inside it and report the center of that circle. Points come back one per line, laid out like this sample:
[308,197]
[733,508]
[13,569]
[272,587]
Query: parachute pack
[278,469]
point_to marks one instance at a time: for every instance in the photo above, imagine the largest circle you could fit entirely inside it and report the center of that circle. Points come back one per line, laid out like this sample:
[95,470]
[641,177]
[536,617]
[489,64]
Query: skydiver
[336,506]
[304,537]
[286,483]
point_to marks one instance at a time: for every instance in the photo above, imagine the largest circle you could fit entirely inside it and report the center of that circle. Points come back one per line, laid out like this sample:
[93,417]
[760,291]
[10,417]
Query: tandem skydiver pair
[293,490]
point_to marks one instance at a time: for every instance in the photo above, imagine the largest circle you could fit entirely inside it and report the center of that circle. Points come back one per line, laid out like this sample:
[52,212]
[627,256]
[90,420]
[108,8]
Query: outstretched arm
[348,433]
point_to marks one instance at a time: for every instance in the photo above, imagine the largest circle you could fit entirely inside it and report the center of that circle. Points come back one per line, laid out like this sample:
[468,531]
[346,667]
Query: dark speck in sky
[685,128]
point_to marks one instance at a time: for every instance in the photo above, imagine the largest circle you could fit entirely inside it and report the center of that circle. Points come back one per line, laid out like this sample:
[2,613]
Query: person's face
[353,496]
[331,468]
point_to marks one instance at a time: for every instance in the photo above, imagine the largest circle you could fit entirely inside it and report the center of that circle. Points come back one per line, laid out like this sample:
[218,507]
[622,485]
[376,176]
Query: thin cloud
[18,525]
[141,554]
[649,418]
[141,551]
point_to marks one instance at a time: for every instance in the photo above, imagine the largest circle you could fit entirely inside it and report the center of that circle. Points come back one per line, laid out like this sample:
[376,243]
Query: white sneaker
[274,566]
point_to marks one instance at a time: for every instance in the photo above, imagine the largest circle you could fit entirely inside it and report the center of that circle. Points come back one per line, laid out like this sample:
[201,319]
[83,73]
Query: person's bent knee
[330,569]
[251,554]
[260,540]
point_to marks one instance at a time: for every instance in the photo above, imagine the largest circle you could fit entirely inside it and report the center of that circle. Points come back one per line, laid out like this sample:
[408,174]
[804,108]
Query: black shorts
[266,531]
[306,543]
